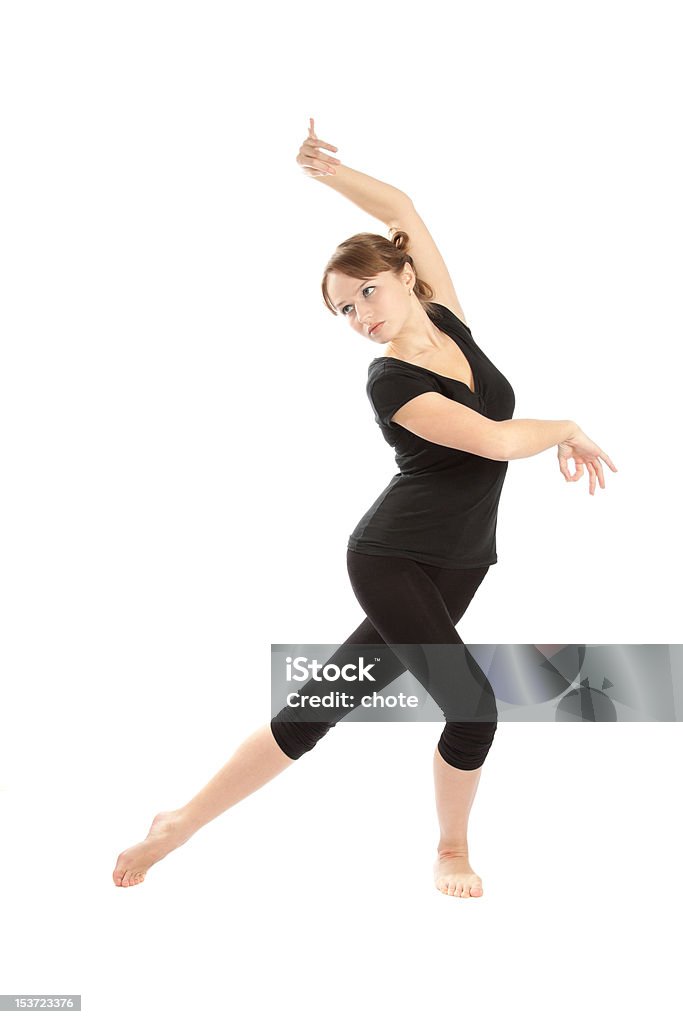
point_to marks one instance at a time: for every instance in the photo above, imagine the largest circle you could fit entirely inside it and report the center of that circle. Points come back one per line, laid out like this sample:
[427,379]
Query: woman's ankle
[446,850]
[187,821]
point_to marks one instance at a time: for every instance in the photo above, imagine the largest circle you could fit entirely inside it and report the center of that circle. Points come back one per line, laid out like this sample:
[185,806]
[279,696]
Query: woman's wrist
[373,196]
[525,437]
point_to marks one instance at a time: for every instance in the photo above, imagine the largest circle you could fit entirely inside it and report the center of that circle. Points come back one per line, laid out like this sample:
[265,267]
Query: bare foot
[168,831]
[453,876]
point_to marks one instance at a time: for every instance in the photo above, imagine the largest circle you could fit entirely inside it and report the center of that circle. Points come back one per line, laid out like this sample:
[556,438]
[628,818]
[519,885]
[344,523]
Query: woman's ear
[408,275]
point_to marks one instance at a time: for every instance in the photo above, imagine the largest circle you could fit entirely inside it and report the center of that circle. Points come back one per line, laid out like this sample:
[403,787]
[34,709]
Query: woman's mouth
[376,327]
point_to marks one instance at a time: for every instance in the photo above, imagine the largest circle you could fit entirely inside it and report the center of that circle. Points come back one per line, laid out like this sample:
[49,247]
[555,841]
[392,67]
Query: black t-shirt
[442,505]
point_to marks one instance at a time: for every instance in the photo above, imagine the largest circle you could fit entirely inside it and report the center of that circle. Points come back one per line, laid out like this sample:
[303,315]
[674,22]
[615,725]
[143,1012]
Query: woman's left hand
[309,157]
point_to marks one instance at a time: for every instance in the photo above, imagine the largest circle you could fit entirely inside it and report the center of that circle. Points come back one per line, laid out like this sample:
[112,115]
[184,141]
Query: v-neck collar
[477,390]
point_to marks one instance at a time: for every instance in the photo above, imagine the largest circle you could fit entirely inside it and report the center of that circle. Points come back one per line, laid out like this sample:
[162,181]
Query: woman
[418,555]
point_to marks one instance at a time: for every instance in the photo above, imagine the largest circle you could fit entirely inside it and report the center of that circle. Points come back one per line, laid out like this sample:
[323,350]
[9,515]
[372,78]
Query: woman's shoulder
[440,313]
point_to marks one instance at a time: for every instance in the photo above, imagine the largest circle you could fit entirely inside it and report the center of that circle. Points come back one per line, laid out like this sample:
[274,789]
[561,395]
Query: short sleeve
[392,388]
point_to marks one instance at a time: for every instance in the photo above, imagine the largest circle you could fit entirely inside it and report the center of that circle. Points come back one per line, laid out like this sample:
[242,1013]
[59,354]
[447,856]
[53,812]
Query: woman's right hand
[579,447]
[310,158]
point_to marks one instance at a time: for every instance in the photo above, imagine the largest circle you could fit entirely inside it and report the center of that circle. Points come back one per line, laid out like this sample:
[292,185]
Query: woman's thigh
[408,605]
[414,608]
[410,602]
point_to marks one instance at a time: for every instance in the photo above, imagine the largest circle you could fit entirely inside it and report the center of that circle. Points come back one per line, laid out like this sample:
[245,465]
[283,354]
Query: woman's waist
[485,471]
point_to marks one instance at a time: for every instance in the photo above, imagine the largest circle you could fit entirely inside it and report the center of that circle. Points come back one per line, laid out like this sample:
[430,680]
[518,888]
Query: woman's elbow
[490,442]
[497,444]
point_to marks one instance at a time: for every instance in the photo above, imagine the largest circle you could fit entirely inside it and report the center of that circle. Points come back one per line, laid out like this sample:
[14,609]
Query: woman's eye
[370,287]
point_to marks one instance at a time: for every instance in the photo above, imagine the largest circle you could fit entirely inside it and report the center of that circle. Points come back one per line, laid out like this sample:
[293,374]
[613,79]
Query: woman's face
[381,299]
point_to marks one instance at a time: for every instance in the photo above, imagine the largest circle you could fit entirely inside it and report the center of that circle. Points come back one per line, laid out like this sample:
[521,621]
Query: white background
[187,444]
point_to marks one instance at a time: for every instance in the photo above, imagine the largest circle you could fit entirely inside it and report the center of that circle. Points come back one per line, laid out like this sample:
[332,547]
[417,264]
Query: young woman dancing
[418,555]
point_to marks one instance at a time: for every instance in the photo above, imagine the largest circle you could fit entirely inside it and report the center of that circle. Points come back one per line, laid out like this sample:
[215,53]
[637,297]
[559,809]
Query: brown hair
[366,254]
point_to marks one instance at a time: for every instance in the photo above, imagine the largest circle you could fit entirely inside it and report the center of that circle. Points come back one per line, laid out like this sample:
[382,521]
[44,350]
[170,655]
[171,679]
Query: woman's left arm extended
[375,197]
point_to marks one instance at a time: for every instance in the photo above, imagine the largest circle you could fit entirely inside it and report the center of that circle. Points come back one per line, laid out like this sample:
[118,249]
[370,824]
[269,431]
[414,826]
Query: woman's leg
[256,761]
[272,748]
[435,600]
[455,787]
[297,729]
[262,756]
[415,607]
[408,605]
[454,790]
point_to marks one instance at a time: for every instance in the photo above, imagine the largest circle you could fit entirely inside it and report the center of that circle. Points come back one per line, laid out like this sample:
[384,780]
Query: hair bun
[400,240]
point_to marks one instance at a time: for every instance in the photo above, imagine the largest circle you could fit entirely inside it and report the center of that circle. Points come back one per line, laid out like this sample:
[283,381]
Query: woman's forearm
[375,197]
[523,438]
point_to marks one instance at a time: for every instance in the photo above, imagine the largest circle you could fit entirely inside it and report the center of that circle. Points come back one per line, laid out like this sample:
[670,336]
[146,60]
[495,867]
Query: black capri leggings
[406,602]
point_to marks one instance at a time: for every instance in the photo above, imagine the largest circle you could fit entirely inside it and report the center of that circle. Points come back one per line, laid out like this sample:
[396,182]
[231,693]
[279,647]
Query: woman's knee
[465,745]
[297,738]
